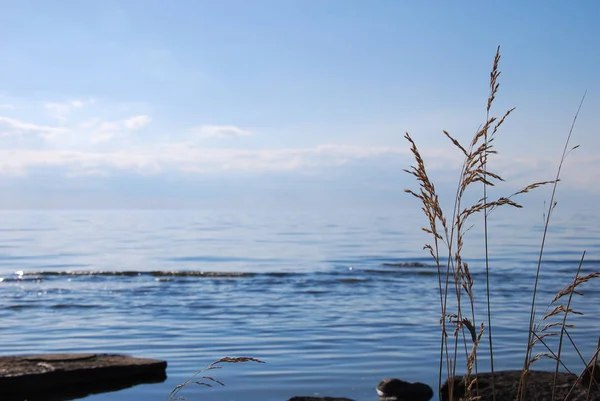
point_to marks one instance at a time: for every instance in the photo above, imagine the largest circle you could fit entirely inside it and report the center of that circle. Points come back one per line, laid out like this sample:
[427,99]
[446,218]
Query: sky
[285,103]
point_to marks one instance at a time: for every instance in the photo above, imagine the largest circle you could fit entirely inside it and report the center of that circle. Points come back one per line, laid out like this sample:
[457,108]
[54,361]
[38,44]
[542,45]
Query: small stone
[398,390]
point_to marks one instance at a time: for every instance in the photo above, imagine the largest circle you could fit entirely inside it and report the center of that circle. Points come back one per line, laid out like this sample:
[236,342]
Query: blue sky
[284,103]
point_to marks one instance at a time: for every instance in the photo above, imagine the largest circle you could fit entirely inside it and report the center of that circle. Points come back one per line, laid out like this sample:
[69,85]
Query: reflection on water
[309,294]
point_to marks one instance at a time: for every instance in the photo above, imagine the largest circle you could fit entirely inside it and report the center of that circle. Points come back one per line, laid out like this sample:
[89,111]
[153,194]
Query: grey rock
[540,386]
[68,376]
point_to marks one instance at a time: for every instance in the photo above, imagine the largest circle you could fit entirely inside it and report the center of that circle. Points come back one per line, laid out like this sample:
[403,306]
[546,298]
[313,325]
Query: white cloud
[220,131]
[100,136]
[89,123]
[23,126]
[104,132]
[108,126]
[98,145]
[60,111]
[77,150]
[136,122]
[92,172]
[81,103]
[180,156]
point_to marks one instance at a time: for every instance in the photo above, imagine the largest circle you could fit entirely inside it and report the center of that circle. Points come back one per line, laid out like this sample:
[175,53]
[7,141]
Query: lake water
[315,302]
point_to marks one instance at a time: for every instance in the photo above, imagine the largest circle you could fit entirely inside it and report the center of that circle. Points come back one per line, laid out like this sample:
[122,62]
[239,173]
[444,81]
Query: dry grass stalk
[449,238]
[454,276]
[206,380]
[533,336]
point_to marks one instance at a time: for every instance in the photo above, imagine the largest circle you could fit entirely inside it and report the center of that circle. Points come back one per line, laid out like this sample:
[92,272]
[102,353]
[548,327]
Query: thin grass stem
[564,322]
[523,381]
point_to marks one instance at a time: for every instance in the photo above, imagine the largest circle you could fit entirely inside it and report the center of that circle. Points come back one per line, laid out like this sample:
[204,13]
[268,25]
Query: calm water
[316,302]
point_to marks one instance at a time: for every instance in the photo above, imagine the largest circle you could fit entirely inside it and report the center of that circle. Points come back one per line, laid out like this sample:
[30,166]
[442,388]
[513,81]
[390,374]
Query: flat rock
[70,376]
[539,387]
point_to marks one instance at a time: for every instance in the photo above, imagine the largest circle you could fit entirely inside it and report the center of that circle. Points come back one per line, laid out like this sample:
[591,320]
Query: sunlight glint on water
[322,327]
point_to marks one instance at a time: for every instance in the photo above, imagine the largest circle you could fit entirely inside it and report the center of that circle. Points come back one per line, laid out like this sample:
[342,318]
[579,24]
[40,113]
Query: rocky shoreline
[51,375]
[540,386]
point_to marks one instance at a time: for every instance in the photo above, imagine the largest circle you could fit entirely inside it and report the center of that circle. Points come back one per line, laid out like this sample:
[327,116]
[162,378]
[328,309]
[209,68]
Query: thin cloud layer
[61,110]
[100,146]
[19,127]
[220,131]
[181,157]
[84,144]
[137,122]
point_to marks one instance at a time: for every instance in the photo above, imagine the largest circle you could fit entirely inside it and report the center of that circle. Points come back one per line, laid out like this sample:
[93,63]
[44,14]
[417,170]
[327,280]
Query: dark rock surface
[539,387]
[592,375]
[399,390]
[69,376]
